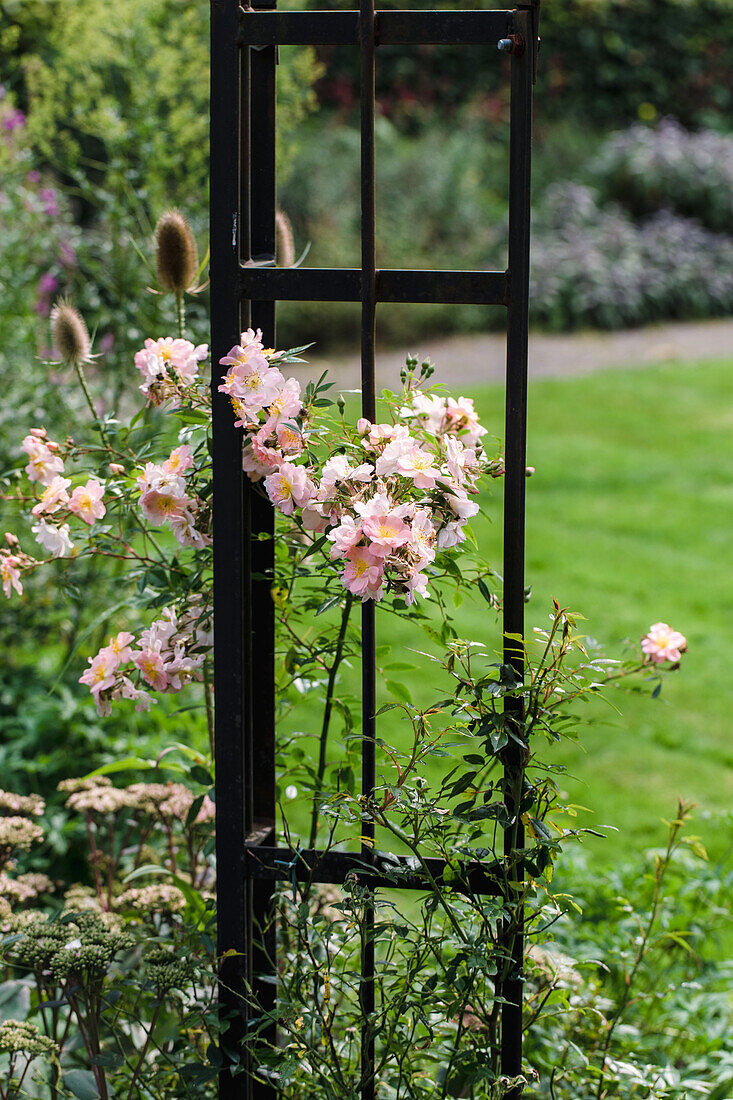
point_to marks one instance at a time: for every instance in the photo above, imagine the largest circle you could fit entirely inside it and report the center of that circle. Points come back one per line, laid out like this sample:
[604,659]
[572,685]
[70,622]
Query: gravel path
[470,360]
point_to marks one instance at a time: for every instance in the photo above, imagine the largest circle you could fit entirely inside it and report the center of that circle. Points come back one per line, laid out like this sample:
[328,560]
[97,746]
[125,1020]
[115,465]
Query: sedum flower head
[176,256]
[70,334]
[158,898]
[166,970]
[22,1037]
[31,805]
[71,786]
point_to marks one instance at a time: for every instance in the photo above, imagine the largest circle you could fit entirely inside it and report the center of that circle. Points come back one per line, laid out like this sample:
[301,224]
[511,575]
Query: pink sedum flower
[363,574]
[289,488]
[661,643]
[53,497]
[86,501]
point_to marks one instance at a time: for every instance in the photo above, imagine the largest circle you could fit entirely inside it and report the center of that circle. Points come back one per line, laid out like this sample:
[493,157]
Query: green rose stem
[332,674]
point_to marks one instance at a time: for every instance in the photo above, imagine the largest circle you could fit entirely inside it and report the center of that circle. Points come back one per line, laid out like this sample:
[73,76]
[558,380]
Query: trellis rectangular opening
[245,285]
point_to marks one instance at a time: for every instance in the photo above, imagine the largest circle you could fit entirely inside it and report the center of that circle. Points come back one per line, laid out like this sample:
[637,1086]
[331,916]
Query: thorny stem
[332,674]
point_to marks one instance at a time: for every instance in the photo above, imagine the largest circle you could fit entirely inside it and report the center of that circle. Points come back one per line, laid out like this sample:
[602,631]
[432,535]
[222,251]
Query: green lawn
[630,518]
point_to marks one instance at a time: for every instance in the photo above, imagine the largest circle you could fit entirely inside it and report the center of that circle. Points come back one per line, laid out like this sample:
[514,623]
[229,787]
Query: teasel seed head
[69,333]
[284,243]
[176,255]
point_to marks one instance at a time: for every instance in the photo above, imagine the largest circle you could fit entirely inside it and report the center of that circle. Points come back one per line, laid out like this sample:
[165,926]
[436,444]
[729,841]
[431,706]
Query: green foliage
[122,102]
[603,63]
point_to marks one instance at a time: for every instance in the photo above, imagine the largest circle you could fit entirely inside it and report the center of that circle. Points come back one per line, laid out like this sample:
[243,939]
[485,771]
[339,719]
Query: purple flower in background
[33,176]
[67,255]
[48,283]
[42,307]
[49,198]
[107,342]
[13,121]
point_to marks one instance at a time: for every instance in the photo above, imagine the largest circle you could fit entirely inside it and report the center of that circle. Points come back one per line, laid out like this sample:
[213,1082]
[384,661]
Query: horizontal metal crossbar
[341,28]
[380,870]
[336,284]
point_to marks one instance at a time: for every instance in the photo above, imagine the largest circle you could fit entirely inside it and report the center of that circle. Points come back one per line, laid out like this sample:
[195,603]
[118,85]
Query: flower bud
[115,468]
[39,433]
[363,426]
[284,243]
[176,255]
[529,471]
[341,404]
[70,336]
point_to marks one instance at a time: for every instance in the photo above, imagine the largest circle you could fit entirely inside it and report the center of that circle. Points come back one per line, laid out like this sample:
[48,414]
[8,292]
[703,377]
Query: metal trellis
[245,285]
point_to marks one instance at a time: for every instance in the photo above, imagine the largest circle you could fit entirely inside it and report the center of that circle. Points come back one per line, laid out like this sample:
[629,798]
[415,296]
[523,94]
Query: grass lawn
[630,521]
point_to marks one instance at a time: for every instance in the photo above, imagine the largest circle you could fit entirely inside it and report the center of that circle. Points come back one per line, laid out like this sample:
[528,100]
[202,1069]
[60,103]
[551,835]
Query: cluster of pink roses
[85,502]
[170,654]
[394,496]
[164,499]
[169,367]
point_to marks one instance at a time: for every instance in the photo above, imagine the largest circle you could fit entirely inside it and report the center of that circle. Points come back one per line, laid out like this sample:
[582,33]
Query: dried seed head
[284,243]
[176,256]
[69,333]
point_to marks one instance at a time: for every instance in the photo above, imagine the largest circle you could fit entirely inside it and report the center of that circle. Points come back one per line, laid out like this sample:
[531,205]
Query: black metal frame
[244,47]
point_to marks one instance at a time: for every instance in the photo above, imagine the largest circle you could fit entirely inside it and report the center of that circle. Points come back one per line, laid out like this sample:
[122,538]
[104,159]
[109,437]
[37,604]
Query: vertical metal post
[261,221]
[230,529]
[367,46]
[514,500]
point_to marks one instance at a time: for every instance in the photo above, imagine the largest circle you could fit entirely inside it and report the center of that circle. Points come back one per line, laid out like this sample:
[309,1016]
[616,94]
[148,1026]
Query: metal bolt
[513,44]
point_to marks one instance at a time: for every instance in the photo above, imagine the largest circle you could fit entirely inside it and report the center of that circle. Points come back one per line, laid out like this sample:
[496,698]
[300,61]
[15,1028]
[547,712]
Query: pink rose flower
[44,465]
[178,461]
[100,674]
[54,539]
[289,488]
[344,537]
[363,573]
[662,643]
[86,501]
[152,666]
[10,574]
[53,497]
[157,507]
[420,466]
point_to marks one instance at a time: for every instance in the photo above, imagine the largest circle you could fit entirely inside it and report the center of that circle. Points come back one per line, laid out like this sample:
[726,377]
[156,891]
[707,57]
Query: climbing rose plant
[366,511]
